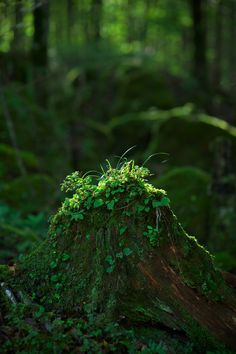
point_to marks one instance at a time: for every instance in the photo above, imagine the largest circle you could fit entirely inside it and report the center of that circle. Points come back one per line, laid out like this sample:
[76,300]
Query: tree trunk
[40,49]
[17,29]
[40,37]
[70,20]
[199,42]
[218,45]
[130,21]
[232,39]
[96,19]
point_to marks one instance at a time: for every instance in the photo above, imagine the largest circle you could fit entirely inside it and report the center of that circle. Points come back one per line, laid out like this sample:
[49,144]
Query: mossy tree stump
[116,250]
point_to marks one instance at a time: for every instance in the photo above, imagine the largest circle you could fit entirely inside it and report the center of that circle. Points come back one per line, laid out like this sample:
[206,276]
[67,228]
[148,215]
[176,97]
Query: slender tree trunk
[40,37]
[144,30]
[40,48]
[199,41]
[70,20]
[232,43]
[11,131]
[96,19]
[130,20]
[218,45]
[17,28]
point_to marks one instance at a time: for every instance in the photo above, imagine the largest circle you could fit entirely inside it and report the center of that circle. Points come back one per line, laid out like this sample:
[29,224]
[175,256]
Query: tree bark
[40,36]
[40,49]
[96,19]
[70,20]
[218,45]
[199,42]
[232,39]
[18,25]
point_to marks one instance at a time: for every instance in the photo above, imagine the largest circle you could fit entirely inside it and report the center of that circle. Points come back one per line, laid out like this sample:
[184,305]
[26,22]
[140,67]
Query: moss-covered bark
[116,250]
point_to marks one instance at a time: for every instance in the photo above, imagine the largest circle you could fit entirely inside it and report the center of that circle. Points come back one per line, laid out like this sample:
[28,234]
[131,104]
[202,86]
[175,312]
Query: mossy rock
[193,203]
[139,87]
[188,190]
[30,193]
[116,250]
[188,137]
[188,140]
[136,128]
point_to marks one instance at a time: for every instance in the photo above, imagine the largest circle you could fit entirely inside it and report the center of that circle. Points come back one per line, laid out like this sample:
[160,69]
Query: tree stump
[116,250]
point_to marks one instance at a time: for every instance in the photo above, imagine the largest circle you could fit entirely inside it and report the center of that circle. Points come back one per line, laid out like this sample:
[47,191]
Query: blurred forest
[85,80]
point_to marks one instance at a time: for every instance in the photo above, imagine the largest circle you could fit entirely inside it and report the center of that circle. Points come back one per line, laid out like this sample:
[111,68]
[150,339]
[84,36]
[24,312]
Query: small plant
[120,188]
[152,234]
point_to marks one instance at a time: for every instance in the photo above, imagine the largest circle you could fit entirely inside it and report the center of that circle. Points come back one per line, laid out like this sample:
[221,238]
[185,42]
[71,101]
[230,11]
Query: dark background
[85,80]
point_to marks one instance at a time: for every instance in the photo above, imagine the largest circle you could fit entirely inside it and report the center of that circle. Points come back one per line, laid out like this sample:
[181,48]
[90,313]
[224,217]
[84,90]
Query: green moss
[198,131]
[188,188]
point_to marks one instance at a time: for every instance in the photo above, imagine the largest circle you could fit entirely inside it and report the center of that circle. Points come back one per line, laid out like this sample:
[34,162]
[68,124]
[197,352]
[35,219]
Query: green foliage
[30,193]
[152,234]
[226,260]
[48,332]
[111,263]
[19,234]
[116,189]
[196,130]
[8,162]
[188,190]
[163,202]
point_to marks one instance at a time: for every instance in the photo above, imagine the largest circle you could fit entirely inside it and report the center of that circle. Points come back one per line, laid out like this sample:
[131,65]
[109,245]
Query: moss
[198,131]
[6,296]
[135,128]
[187,189]
[138,88]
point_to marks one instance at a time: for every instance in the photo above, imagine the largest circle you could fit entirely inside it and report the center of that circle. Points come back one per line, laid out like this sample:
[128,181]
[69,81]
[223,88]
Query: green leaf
[54,278]
[65,257]
[121,243]
[58,286]
[97,203]
[163,202]
[122,229]
[87,236]
[127,251]
[109,260]
[110,269]
[110,205]
[77,216]
[53,264]
[140,208]
[40,311]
